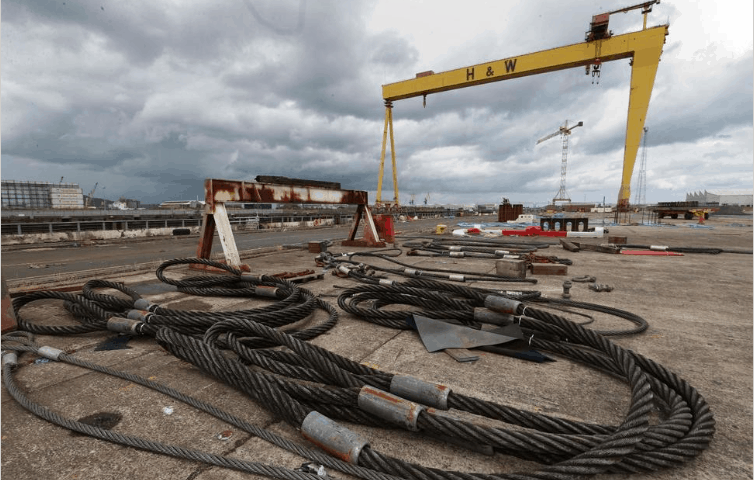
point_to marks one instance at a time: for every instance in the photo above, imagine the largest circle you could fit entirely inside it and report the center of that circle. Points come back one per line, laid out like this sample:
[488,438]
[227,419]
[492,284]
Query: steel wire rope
[328,259]
[617,444]
[250,467]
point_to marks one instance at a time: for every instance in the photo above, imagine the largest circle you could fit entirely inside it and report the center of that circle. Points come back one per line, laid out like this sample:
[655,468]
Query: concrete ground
[699,308]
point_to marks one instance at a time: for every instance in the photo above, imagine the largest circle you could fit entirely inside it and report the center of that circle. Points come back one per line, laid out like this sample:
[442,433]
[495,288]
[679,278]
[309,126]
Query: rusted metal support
[371,236]
[215,218]
[8,317]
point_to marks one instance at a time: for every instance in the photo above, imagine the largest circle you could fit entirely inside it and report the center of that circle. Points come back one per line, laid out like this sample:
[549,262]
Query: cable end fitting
[251,277]
[140,315]
[411,388]
[125,325]
[50,352]
[392,408]
[265,291]
[485,315]
[333,438]
[142,304]
[10,358]
[501,304]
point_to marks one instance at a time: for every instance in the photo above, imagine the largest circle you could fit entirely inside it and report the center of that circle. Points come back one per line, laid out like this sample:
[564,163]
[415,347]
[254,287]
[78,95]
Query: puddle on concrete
[114,343]
[190,304]
[105,420]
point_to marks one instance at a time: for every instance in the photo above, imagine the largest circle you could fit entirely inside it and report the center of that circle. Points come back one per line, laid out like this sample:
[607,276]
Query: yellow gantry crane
[643,47]
[565,131]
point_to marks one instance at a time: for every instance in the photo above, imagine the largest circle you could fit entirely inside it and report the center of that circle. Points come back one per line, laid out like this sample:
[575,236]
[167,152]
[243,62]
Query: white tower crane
[565,131]
[641,188]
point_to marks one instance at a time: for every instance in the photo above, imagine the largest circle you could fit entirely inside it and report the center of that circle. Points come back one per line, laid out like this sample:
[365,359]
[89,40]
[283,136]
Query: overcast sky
[149,98]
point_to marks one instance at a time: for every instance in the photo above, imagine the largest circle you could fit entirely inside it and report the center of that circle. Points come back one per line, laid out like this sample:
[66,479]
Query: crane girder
[549,137]
[644,47]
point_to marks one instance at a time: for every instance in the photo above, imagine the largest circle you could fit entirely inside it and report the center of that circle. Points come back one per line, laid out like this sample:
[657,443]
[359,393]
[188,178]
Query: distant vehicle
[688,209]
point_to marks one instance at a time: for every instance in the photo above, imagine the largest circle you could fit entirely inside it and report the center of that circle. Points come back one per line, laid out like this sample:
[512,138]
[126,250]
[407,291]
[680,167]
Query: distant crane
[562,196]
[426,199]
[91,194]
[641,189]
[413,199]
[61,179]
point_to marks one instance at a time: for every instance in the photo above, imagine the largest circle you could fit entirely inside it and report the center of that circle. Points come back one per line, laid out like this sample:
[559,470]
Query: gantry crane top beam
[561,58]
[643,47]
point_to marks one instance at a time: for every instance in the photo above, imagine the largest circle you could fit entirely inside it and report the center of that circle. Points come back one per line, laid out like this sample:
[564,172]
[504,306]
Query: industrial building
[37,195]
[722,197]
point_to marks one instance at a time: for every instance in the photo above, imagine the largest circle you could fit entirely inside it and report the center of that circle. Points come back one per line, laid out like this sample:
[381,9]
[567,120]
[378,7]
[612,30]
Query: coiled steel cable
[333,261]
[566,448]
[15,342]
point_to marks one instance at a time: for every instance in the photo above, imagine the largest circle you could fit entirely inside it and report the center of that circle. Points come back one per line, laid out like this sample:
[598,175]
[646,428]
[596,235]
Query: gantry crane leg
[643,47]
[643,74]
[388,128]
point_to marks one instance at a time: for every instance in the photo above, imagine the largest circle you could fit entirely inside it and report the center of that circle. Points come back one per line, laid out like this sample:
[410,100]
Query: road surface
[43,259]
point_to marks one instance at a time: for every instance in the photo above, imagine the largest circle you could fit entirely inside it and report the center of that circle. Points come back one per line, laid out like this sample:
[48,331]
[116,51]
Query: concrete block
[510,267]
[549,269]
[317,247]
[617,240]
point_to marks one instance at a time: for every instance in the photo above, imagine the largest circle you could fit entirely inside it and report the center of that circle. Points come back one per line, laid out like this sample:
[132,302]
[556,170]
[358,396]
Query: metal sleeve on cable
[333,438]
[485,315]
[392,408]
[344,269]
[142,304]
[501,304]
[123,325]
[251,277]
[10,358]
[411,388]
[50,352]
[141,315]
[265,291]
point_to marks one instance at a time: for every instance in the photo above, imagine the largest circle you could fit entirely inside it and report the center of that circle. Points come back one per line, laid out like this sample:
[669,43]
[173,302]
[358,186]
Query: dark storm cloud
[150,98]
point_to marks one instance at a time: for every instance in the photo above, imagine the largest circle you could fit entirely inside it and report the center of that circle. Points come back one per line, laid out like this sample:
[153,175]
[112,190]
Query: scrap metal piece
[461,355]
[598,248]
[438,335]
[570,246]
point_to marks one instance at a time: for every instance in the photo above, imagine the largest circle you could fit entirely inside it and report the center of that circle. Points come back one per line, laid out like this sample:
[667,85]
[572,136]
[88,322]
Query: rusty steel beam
[215,218]
[220,191]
